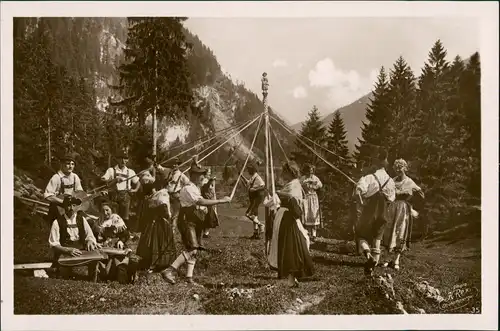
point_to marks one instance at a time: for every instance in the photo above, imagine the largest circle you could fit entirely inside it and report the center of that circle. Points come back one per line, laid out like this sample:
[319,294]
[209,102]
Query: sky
[327,62]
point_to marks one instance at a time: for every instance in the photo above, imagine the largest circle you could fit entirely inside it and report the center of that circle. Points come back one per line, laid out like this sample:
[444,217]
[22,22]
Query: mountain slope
[353,116]
[221,103]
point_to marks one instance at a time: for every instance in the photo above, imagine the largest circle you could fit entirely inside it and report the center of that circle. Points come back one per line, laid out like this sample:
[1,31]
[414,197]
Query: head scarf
[400,165]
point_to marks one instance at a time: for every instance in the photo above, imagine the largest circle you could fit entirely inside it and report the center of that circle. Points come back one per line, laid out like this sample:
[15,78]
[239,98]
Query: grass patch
[235,261]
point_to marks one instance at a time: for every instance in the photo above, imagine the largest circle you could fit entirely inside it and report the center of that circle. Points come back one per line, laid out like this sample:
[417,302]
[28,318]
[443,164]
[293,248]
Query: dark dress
[156,246]
[293,254]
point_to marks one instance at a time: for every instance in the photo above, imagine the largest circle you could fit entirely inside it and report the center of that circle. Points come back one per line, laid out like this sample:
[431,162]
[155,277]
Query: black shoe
[369,267]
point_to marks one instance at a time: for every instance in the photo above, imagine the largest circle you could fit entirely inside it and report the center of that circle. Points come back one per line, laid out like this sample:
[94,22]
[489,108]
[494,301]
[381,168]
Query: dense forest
[89,86]
[433,121]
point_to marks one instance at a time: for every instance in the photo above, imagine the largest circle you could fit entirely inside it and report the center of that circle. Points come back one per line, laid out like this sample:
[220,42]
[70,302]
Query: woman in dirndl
[191,223]
[208,192]
[397,234]
[156,246]
[312,215]
[289,248]
[111,232]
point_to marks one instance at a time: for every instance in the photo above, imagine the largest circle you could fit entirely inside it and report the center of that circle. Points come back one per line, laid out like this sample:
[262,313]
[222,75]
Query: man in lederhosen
[71,235]
[63,183]
[122,186]
[175,181]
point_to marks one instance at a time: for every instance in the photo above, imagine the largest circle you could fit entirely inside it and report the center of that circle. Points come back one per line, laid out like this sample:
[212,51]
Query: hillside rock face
[222,102]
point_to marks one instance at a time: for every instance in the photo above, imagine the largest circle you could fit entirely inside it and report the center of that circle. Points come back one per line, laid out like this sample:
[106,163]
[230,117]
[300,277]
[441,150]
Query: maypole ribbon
[248,157]
[315,153]
[315,143]
[227,140]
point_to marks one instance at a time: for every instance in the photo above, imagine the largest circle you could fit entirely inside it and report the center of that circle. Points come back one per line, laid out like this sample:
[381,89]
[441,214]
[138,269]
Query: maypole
[156,107]
[265,87]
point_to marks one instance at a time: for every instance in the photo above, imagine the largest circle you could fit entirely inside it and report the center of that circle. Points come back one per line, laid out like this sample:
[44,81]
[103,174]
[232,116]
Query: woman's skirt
[156,246]
[397,232]
[212,219]
[142,205]
[312,216]
[256,199]
[289,248]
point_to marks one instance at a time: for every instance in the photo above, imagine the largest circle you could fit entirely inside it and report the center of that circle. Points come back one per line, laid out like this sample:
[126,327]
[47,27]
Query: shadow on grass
[220,286]
[238,237]
[329,262]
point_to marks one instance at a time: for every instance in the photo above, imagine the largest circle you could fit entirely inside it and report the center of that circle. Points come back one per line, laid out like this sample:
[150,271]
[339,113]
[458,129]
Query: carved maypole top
[265,84]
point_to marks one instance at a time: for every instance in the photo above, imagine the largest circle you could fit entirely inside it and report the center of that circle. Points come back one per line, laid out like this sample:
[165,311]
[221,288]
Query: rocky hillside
[353,116]
[222,102]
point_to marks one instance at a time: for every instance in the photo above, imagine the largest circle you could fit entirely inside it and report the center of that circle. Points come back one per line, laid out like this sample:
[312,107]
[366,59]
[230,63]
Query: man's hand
[119,179]
[74,252]
[119,244]
[91,246]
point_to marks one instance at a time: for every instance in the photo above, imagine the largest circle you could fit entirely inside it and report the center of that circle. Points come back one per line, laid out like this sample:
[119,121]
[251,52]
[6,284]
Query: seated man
[71,234]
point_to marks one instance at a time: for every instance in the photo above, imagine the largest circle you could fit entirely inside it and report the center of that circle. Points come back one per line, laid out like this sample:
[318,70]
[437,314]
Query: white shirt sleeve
[189,195]
[318,183]
[53,187]
[135,179]
[184,180]
[89,235]
[390,190]
[362,186]
[78,183]
[108,175]
[54,237]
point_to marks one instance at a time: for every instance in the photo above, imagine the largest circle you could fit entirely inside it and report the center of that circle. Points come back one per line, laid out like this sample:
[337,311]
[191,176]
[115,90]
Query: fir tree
[336,186]
[401,94]
[374,130]
[470,88]
[313,129]
[337,142]
[155,74]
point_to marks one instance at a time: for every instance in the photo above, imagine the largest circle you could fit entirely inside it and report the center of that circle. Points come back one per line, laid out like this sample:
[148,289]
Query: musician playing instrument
[71,234]
[124,182]
[63,183]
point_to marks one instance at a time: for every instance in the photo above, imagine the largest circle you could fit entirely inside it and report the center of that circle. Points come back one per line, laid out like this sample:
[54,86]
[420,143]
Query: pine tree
[437,149]
[313,129]
[402,97]
[374,131]
[470,95]
[337,142]
[155,74]
[336,186]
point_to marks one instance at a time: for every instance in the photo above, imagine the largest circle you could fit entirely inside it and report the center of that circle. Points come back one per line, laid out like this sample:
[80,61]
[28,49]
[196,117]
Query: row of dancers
[382,215]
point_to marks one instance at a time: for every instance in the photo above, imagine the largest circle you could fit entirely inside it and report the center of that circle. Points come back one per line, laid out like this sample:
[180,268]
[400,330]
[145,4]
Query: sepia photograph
[318,161]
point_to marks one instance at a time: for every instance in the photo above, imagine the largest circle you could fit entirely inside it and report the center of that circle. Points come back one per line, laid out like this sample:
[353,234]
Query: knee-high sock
[398,255]
[190,267]
[376,250]
[180,260]
[365,248]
